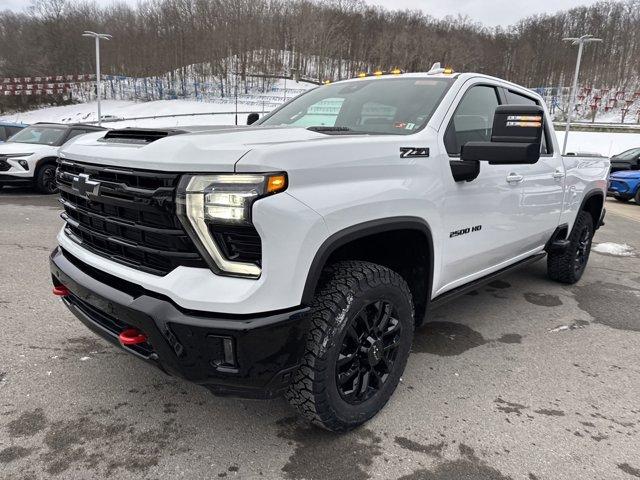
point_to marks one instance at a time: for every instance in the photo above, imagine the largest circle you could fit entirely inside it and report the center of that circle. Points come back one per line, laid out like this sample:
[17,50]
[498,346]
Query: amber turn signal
[276,183]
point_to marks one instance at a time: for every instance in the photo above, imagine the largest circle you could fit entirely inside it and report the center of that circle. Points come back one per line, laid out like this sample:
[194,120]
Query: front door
[483,217]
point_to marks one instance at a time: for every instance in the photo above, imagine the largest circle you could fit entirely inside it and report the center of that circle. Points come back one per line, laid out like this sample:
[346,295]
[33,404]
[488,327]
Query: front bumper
[266,348]
[10,179]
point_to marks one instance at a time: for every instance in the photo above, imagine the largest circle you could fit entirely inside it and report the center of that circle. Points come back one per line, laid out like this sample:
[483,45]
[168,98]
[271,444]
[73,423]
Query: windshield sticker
[410,126]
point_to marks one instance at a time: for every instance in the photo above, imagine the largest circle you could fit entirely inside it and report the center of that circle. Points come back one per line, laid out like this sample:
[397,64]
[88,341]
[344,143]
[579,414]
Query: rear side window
[473,119]
[514,98]
[4,134]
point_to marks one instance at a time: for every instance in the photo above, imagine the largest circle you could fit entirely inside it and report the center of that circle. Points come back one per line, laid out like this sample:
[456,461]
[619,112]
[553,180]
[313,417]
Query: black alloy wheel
[369,350]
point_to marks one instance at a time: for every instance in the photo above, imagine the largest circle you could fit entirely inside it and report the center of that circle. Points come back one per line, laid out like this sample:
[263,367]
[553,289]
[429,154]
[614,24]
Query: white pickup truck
[296,256]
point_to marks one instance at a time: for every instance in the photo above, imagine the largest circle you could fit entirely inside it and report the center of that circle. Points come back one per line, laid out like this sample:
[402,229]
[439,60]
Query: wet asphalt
[522,379]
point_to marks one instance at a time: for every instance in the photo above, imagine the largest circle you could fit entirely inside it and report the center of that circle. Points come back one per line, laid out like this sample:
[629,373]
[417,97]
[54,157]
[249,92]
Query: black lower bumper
[266,349]
[13,180]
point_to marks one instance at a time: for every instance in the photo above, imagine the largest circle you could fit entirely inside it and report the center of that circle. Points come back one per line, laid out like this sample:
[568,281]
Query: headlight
[207,202]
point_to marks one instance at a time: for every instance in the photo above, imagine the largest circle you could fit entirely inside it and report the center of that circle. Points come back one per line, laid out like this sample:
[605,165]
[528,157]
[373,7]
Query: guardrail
[153,117]
[599,127]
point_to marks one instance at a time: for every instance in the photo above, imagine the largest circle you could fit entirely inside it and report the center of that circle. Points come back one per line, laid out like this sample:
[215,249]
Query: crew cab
[297,255]
[29,156]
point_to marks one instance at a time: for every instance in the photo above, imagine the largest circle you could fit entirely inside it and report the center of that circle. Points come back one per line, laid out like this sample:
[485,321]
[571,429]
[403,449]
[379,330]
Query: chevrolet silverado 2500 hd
[295,256]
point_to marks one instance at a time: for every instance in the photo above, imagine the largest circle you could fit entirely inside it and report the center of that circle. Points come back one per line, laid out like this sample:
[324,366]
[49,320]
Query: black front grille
[132,219]
[238,243]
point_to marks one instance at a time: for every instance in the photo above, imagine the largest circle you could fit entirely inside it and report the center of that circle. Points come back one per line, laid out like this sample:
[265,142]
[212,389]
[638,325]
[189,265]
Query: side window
[473,119]
[3,133]
[514,98]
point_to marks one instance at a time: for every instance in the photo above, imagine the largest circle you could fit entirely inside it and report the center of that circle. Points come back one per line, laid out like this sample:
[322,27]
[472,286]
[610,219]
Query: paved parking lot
[523,379]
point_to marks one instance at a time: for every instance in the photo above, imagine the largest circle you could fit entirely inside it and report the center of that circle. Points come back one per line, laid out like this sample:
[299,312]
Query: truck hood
[12,148]
[216,150]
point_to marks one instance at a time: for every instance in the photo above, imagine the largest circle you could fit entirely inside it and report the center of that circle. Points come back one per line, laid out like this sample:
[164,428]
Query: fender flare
[361,230]
[596,192]
[43,161]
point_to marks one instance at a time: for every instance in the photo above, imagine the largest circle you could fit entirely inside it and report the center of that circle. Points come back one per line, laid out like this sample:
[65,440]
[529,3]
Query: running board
[475,284]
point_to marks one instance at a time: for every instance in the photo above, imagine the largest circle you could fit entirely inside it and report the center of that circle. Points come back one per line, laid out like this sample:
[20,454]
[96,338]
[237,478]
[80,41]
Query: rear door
[542,185]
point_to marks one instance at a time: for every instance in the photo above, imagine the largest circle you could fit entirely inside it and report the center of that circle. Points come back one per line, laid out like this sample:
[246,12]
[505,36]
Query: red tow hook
[132,336]
[61,291]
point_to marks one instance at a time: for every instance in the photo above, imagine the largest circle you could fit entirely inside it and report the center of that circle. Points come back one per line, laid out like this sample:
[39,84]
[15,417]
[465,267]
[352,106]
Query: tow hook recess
[61,291]
[132,336]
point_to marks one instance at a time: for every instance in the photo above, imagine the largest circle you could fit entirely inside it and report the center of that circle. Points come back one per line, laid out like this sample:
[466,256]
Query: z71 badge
[408,152]
[464,231]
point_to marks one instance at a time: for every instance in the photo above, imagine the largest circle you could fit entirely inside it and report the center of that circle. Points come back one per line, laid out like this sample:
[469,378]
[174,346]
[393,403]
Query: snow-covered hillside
[221,108]
[86,112]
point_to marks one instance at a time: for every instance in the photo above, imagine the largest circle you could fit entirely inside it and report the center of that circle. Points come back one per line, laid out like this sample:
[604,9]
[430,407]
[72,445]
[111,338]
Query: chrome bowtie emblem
[85,186]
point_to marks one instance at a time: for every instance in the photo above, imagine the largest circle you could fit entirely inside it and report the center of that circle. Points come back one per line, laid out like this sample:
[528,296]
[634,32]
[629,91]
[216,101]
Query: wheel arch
[44,161]
[369,234]
[593,203]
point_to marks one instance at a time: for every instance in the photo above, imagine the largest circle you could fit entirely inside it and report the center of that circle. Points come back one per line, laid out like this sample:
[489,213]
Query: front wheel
[357,346]
[569,265]
[46,179]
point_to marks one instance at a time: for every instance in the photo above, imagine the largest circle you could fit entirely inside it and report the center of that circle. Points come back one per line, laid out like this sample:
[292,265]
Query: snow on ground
[86,112]
[615,249]
[604,143]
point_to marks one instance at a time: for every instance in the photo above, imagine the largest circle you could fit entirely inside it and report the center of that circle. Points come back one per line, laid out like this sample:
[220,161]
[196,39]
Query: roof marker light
[377,73]
[362,74]
[396,71]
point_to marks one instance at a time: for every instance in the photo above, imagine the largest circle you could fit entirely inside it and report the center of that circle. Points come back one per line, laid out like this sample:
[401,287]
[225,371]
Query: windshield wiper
[333,130]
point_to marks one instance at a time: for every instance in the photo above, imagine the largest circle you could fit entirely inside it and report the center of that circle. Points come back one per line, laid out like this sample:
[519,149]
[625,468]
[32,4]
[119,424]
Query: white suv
[29,156]
[296,256]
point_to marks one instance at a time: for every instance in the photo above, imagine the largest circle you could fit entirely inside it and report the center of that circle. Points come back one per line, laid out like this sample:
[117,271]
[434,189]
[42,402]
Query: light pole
[572,95]
[97,36]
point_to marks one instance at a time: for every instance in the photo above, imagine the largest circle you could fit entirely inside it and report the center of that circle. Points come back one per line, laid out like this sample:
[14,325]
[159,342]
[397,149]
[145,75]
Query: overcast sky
[488,12]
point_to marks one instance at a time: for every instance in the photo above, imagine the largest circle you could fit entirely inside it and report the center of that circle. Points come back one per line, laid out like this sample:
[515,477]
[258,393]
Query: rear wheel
[569,265]
[357,347]
[46,179]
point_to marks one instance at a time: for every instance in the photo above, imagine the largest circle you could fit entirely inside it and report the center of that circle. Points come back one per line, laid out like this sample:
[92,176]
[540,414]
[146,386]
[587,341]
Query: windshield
[40,135]
[628,155]
[379,105]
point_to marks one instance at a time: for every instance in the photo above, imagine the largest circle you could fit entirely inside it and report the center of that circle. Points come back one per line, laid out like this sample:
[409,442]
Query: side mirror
[253,118]
[515,138]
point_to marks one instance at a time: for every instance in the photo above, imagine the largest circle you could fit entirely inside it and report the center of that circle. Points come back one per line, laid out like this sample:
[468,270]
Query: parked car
[624,185]
[295,256]
[9,129]
[29,157]
[627,160]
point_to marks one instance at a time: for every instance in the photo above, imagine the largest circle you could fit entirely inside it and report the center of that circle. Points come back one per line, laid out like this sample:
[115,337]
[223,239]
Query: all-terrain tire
[346,300]
[46,179]
[568,266]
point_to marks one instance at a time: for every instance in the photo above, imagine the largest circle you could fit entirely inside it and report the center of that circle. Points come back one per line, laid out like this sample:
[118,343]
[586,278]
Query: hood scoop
[139,136]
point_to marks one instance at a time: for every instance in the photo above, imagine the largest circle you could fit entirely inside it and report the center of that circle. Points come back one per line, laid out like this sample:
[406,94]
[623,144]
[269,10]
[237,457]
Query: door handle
[558,174]
[514,178]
